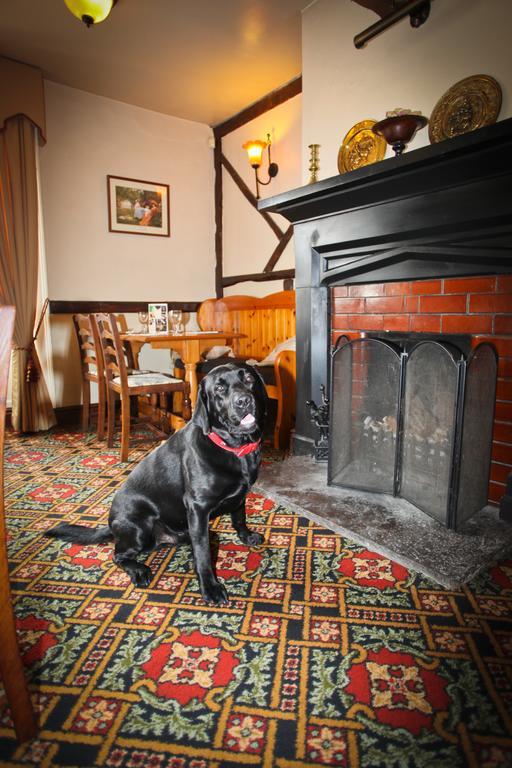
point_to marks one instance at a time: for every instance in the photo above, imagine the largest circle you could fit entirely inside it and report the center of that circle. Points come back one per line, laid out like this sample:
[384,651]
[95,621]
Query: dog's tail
[80,534]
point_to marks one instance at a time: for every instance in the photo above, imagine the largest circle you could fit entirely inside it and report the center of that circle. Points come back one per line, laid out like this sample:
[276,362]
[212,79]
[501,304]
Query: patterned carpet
[327,654]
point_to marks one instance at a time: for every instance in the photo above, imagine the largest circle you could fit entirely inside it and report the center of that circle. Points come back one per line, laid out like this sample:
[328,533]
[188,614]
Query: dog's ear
[261,393]
[200,415]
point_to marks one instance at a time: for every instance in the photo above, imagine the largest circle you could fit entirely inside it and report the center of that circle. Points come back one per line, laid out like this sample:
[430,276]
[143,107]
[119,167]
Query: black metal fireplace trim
[439,211]
[461,160]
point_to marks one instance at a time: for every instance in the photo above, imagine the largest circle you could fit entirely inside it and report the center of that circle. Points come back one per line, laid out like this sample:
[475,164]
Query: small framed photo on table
[138,207]
[158,315]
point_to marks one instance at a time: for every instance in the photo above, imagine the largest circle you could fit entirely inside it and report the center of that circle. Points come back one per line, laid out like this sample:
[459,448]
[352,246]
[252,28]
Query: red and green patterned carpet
[327,655]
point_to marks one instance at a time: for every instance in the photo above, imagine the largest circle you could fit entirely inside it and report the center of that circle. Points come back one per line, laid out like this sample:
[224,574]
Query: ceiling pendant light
[90,11]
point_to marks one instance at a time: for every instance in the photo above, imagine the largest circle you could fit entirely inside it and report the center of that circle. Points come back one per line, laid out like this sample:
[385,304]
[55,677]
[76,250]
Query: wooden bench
[265,322]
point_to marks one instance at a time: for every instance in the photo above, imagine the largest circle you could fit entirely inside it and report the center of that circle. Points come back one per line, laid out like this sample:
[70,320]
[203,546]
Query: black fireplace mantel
[440,211]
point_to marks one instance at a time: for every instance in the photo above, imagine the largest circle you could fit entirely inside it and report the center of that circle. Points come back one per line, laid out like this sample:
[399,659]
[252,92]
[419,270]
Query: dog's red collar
[243,450]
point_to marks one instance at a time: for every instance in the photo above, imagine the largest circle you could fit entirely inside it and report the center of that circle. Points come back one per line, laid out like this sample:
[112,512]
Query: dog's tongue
[248,420]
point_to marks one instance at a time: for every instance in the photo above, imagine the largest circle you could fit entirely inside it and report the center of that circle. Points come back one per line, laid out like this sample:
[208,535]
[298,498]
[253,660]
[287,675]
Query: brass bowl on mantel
[399,130]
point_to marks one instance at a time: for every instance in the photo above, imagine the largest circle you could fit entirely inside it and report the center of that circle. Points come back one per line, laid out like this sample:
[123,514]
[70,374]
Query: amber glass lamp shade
[255,151]
[90,11]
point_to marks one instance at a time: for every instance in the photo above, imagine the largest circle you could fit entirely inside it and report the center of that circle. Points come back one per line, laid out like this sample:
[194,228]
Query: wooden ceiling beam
[271,100]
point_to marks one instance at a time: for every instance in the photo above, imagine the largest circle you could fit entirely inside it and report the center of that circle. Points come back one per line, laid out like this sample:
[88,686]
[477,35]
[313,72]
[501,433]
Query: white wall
[248,241]
[89,137]
[403,67]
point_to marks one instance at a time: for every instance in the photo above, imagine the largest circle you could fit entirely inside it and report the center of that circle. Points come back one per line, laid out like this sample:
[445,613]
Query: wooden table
[188,345]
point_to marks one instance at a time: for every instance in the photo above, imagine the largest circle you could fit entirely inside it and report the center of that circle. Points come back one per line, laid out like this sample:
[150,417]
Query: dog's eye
[220,388]
[248,380]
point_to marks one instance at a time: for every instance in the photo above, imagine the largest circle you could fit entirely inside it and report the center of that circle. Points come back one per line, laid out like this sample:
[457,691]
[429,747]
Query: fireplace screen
[429,427]
[364,408]
[414,421]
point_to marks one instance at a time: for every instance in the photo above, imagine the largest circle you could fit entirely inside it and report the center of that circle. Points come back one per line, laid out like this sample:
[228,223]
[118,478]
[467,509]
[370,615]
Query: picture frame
[137,207]
[158,318]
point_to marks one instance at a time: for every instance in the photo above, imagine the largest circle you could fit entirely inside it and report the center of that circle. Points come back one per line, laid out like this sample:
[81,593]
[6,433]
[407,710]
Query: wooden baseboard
[67,416]
[71,416]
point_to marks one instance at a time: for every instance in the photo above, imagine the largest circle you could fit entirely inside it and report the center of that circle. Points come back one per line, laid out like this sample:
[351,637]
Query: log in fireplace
[442,211]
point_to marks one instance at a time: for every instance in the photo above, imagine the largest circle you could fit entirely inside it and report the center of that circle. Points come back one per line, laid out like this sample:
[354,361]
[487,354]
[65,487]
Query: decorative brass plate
[469,104]
[360,147]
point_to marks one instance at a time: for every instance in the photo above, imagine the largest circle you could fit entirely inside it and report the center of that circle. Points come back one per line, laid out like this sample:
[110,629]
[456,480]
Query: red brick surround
[480,306]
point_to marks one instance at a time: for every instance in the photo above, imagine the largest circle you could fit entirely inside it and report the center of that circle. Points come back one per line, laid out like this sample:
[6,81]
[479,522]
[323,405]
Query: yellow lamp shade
[255,150]
[90,11]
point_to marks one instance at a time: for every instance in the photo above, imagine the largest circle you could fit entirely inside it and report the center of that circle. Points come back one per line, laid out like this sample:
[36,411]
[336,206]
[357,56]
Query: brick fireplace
[478,306]
[419,243]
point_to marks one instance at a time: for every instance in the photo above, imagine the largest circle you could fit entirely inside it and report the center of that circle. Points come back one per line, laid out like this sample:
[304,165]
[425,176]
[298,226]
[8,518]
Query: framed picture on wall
[138,207]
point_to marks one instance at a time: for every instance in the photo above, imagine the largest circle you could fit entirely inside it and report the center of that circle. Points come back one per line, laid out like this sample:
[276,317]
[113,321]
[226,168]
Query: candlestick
[314,163]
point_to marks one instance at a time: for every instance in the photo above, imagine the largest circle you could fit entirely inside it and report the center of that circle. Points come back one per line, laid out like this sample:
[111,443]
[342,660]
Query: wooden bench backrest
[265,321]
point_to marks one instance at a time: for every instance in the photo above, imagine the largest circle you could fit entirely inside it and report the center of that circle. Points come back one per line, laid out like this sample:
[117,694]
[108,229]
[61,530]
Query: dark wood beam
[85,307]
[268,102]
[258,277]
[246,192]
[217,159]
[279,250]
[271,100]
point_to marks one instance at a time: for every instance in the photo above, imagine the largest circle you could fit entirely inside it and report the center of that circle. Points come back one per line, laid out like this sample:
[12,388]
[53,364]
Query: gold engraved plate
[469,104]
[360,147]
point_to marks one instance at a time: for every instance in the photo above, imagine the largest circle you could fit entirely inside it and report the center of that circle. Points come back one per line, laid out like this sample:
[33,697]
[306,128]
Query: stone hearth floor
[389,526]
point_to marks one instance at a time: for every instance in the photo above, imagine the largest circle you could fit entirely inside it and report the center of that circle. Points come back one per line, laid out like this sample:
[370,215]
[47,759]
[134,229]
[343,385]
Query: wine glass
[176,322]
[144,321]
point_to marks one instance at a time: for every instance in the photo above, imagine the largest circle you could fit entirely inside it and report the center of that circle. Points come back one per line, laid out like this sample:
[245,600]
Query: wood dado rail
[85,307]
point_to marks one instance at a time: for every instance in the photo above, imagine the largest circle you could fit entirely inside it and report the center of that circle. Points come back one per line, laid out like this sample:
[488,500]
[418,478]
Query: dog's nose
[242,401]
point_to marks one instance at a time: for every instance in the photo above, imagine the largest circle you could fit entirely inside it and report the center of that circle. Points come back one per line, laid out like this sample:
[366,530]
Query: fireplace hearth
[414,418]
[436,213]
[388,525]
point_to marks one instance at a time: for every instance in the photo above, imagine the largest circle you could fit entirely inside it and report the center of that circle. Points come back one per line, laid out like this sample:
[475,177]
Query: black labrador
[204,470]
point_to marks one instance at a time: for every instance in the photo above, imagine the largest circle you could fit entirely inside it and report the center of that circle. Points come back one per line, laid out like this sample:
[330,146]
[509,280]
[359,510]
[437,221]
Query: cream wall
[89,137]
[248,241]
[403,67]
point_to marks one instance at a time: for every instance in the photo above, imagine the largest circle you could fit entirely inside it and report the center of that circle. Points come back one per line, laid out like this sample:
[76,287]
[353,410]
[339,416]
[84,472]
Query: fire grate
[414,419]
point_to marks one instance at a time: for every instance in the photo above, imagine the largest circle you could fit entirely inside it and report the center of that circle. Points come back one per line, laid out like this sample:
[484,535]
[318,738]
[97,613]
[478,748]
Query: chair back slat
[112,346]
[89,346]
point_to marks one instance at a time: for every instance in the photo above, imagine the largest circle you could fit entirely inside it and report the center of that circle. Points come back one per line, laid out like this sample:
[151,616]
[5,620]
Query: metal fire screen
[414,421]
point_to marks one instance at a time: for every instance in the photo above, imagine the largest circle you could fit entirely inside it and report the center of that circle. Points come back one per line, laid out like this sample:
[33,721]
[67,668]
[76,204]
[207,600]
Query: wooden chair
[91,359]
[93,367]
[119,380]
[284,392]
[11,665]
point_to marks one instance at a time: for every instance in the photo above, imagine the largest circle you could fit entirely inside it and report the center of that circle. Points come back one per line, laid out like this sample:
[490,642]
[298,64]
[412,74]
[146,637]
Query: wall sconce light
[255,152]
[90,11]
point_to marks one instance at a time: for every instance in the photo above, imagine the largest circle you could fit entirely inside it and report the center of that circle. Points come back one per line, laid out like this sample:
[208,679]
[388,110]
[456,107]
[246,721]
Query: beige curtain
[19,255]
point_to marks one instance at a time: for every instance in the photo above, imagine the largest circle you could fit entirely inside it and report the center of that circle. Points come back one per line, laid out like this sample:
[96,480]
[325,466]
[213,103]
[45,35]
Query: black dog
[204,470]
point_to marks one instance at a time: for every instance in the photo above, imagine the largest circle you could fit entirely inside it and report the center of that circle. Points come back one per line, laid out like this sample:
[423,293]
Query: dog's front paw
[141,575]
[214,592]
[251,538]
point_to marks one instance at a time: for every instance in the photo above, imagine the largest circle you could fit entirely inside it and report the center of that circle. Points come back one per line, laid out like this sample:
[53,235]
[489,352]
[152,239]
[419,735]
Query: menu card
[158,318]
